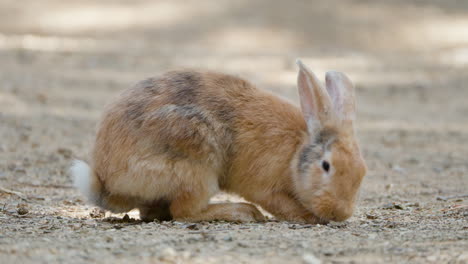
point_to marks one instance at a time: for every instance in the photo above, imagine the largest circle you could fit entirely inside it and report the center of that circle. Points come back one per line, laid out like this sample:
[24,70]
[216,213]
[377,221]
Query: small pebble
[393,206]
[398,169]
[126,218]
[66,153]
[22,211]
[337,224]
[42,98]
[227,238]
[240,244]
[168,252]
[309,258]
[191,226]
[186,254]
[369,216]
[97,213]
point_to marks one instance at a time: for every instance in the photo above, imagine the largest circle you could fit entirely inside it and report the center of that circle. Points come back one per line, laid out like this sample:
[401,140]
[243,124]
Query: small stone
[68,202]
[168,252]
[413,205]
[243,245]
[42,98]
[337,224]
[97,213]
[22,211]
[309,258]
[118,252]
[388,206]
[90,222]
[11,166]
[398,169]
[186,254]
[392,206]
[369,216]
[227,238]
[463,258]
[191,226]
[23,136]
[66,153]
[126,218]
[20,170]
[413,160]
[26,162]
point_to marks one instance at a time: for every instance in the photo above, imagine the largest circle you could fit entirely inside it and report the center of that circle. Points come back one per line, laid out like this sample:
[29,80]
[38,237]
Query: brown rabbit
[167,145]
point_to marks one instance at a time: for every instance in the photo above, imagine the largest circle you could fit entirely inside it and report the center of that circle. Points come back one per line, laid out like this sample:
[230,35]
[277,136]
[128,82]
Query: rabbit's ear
[315,101]
[341,91]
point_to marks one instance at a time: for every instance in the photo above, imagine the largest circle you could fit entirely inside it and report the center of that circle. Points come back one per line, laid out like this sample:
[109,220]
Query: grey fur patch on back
[149,85]
[222,109]
[190,112]
[136,105]
[191,123]
[185,87]
[180,132]
[134,113]
[186,90]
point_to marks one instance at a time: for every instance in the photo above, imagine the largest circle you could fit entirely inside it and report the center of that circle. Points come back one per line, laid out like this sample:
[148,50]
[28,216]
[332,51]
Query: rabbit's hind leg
[193,206]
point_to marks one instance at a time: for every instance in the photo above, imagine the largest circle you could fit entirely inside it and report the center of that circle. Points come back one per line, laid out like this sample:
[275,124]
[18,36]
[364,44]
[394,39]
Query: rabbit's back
[166,130]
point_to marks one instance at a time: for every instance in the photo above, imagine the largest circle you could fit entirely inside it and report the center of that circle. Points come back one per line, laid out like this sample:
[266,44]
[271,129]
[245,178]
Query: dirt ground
[62,61]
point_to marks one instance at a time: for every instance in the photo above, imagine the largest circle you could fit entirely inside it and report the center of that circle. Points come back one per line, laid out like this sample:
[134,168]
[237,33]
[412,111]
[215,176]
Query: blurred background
[62,61]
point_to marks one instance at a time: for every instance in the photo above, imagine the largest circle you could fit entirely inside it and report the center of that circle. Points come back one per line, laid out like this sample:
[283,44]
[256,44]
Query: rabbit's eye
[325,165]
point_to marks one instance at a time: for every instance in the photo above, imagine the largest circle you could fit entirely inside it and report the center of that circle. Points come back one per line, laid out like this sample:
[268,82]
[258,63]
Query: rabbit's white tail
[83,179]
[86,180]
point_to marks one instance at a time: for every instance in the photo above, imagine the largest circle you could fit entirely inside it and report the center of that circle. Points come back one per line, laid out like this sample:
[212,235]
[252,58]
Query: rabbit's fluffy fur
[167,145]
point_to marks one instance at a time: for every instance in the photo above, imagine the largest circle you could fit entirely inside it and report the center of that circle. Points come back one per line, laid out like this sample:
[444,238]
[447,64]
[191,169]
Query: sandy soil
[61,61]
